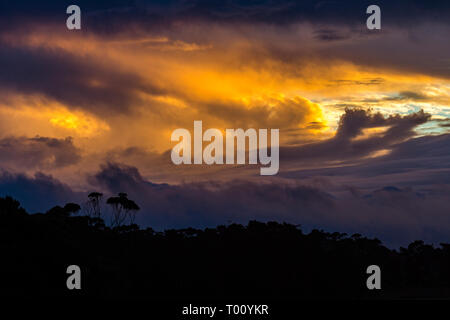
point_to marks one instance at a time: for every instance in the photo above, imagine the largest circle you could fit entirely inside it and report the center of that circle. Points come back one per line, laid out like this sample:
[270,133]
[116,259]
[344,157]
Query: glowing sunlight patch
[83,125]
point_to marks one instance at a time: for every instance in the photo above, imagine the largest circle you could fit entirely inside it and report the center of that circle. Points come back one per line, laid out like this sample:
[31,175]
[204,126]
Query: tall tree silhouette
[123,208]
[93,205]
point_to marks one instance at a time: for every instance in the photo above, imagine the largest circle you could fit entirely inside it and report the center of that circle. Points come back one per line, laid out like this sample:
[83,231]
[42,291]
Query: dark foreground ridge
[260,260]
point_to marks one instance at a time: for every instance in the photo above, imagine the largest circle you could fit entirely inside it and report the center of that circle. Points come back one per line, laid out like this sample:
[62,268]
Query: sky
[363,114]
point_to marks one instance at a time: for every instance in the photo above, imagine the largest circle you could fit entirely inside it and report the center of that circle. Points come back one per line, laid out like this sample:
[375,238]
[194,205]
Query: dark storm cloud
[70,79]
[408,95]
[38,193]
[206,204]
[353,12]
[344,145]
[427,146]
[423,50]
[399,97]
[396,215]
[341,24]
[114,16]
[37,152]
[421,162]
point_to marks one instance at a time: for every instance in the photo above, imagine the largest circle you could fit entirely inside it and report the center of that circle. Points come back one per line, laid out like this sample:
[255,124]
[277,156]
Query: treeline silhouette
[260,260]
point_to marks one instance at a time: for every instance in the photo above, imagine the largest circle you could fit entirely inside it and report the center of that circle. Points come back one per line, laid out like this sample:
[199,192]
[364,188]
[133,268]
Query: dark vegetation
[260,260]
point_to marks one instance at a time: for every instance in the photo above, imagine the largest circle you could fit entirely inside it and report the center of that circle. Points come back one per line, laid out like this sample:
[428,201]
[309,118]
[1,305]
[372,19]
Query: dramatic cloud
[363,115]
[419,163]
[205,203]
[271,113]
[38,193]
[340,198]
[37,152]
[80,82]
[396,215]
[352,142]
[114,15]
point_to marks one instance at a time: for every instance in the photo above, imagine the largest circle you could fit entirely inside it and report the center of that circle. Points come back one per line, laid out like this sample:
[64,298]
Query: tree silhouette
[10,206]
[72,208]
[69,209]
[93,205]
[123,208]
[273,260]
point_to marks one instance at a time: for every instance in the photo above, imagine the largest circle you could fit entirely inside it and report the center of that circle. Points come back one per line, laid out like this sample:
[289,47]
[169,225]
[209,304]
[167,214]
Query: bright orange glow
[228,81]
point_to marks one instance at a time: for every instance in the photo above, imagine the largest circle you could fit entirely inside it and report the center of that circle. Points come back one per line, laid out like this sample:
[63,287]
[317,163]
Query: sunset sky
[364,115]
